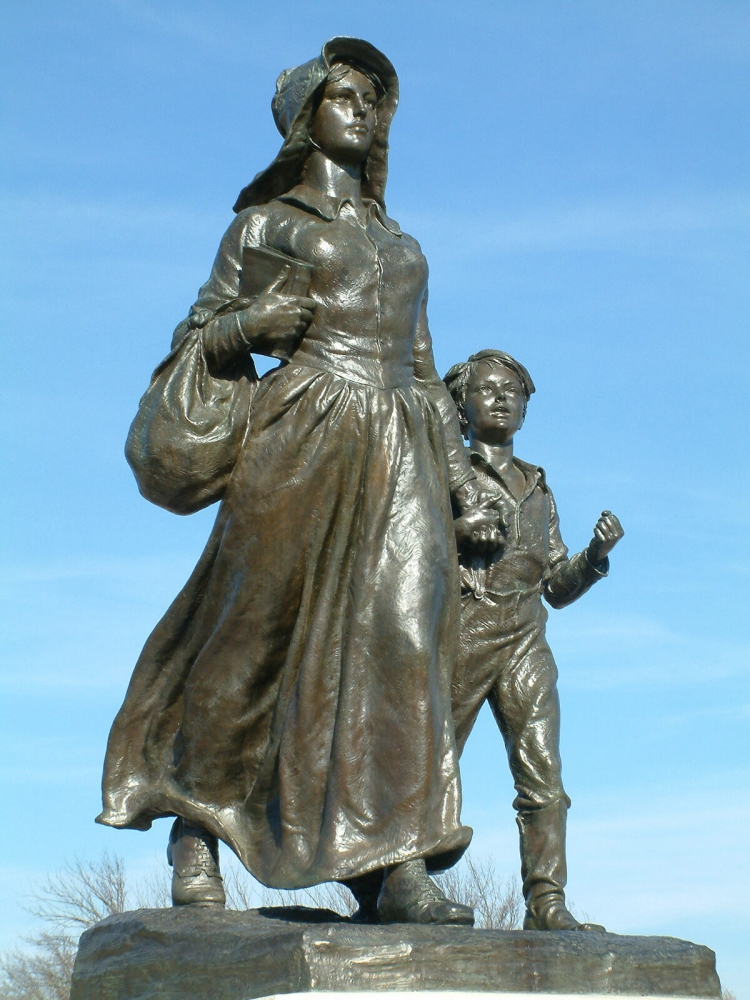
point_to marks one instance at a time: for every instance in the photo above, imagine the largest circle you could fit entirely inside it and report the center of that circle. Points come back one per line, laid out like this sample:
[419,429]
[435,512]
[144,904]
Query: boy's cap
[500,357]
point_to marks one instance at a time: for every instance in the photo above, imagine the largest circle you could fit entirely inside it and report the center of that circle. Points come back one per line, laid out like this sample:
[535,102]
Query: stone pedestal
[213,954]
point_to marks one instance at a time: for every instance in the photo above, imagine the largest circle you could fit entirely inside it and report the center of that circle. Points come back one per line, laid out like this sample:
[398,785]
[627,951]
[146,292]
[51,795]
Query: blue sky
[577,174]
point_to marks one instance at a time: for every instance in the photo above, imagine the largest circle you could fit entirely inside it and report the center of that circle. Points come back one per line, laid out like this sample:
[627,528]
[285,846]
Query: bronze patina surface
[504,658]
[294,701]
[187,954]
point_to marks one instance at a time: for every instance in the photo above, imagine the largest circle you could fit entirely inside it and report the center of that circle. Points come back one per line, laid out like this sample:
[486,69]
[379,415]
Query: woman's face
[344,124]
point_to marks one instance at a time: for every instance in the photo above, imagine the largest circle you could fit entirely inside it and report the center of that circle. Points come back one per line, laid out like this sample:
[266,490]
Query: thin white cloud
[63,219]
[50,774]
[628,650]
[135,569]
[642,224]
[79,625]
[728,713]
[631,223]
[177,21]
[640,861]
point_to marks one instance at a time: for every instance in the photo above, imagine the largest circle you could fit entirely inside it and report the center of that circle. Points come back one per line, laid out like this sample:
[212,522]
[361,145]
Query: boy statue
[504,657]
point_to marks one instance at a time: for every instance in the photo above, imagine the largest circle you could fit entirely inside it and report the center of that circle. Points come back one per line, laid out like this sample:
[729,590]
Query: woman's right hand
[275,323]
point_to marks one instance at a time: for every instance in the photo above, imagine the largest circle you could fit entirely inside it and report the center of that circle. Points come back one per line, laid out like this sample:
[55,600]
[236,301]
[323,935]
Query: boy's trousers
[504,659]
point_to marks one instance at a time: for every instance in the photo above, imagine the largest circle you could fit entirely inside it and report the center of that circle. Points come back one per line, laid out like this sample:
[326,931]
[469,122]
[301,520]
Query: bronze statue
[504,657]
[294,701]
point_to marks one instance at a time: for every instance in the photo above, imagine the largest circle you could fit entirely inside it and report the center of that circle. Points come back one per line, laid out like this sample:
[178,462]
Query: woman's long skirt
[295,699]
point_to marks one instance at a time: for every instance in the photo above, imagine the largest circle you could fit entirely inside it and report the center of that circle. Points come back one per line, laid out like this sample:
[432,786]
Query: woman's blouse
[370,287]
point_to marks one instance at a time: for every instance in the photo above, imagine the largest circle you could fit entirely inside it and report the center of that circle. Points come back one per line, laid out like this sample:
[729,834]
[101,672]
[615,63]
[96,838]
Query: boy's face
[494,403]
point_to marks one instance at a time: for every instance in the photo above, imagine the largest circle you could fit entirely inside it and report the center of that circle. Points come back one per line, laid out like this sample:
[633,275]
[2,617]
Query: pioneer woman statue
[294,701]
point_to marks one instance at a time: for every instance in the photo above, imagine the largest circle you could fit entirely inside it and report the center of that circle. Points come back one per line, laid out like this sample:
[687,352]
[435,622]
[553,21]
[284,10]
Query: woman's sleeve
[222,335]
[460,468]
[187,434]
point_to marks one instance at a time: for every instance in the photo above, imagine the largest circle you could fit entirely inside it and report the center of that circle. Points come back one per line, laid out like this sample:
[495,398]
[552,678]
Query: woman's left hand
[479,529]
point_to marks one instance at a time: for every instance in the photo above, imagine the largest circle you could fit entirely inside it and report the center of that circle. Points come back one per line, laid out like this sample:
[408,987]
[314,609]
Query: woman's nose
[360,108]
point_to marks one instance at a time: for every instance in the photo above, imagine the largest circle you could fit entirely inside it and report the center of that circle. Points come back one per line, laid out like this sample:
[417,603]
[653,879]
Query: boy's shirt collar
[534,474]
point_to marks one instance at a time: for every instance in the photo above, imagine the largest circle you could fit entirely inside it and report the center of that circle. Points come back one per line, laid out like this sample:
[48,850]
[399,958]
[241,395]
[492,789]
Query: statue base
[202,953]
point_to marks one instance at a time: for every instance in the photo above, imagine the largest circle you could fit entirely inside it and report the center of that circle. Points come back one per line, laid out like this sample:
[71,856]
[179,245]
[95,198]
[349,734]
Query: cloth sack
[189,429]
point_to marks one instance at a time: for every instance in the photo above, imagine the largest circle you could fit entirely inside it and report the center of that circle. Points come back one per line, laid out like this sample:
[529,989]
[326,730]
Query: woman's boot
[366,890]
[194,856]
[409,896]
[544,870]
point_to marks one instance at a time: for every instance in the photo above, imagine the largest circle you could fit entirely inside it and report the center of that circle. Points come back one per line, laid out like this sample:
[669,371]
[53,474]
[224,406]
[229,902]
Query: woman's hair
[458,378]
[299,91]
[340,69]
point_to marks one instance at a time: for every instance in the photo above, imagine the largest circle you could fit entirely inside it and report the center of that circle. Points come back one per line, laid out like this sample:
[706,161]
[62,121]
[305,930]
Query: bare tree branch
[81,893]
[243,893]
[239,890]
[68,901]
[43,974]
[497,902]
[153,891]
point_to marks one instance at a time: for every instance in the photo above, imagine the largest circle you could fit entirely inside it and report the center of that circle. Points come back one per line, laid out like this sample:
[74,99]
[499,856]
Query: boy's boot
[544,870]
[194,856]
[409,896]
[366,890]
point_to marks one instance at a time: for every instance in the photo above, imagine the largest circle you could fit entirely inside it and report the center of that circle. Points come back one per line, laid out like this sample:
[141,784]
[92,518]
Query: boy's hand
[479,529]
[607,533]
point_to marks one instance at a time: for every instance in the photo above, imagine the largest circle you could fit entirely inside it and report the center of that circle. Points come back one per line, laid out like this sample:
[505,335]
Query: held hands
[607,533]
[274,323]
[479,529]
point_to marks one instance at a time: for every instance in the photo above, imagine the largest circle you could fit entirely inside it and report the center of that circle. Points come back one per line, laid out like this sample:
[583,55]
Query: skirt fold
[295,699]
